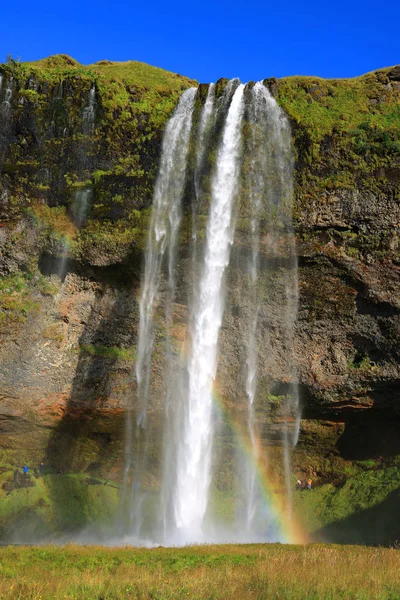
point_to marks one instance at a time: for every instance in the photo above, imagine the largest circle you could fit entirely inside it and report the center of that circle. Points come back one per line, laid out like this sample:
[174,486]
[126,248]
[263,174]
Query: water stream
[161,245]
[80,206]
[194,446]
[6,104]
[5,118]
[89,112]
[227,165]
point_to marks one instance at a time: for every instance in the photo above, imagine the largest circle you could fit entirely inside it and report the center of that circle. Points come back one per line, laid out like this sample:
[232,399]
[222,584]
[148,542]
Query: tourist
[25,471]
[41,469]
[298,484]
[309,484]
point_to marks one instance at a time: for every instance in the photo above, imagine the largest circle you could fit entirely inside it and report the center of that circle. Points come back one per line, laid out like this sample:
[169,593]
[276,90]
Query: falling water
[59,91]
[81,198]
[162,237]
[195,443]
[265,172]
[6,123]
[269,185]
[80,206]
[165,220]
[257,181]
[89,112]
[63,261]
[292,405]
[283,239]
[6,104]
[203,133]
[79,209]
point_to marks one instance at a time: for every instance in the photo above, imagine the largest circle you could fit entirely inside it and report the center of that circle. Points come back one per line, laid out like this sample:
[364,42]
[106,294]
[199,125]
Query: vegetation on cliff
[346,135]
[347,141]
[48,154]
[38,508]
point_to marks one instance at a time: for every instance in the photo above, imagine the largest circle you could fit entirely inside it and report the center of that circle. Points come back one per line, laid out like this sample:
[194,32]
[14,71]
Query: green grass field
[205,572]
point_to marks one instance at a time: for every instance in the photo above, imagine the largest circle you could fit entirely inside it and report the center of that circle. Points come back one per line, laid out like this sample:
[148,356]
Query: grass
[343,106]
[108,237]
[112,352]
[202,573]
[144,77]
[329,503]
[55,504]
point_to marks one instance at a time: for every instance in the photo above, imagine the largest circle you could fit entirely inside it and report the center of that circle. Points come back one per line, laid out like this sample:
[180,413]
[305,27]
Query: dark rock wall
[68,331]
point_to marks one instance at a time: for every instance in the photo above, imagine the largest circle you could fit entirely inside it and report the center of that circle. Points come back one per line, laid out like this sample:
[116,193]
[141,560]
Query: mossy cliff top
[347,131]
[340,105]
[114,79]
[347,145]
[346,137]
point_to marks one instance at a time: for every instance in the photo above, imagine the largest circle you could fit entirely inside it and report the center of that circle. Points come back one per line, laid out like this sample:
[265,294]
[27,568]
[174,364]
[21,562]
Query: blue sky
[210,39]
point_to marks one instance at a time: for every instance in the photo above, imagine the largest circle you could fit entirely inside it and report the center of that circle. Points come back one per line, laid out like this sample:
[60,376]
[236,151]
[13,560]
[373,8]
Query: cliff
[70,278]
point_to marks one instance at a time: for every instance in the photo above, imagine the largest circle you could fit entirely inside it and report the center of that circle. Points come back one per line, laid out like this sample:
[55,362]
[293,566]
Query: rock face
[68,327]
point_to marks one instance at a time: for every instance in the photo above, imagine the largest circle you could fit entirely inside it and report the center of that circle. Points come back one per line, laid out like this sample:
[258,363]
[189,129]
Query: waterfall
[89,112]
[80,206]
[162,238]
[257,181]
[204,124]
[222,169]
[163,231]
[195,443]
[203,133]
[79,209]
[269,185]
[6,104]
[6,122]
[59,91]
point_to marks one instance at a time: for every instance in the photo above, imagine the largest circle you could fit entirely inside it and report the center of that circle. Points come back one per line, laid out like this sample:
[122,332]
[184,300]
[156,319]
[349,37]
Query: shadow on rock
[84,450]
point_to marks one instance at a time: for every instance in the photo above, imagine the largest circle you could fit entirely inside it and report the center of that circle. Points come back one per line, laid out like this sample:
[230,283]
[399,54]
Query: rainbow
[291,532]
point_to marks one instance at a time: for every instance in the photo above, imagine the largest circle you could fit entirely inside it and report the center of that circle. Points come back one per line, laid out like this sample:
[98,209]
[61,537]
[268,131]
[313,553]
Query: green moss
[341,106]
[113,352]
[328,504]
[97,175]
[55,504]
[111,238]
[133,102]
[46,286]
[30,95]
[361,362]
[347,137]
[15,301]
[53,222]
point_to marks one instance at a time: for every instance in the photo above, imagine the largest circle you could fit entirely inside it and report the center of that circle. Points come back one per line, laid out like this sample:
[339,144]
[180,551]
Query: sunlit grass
[205,572]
